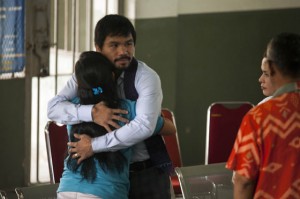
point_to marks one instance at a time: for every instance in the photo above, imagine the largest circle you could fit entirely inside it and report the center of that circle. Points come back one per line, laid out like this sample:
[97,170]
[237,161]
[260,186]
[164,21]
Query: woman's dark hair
[284,51]
[95,84]
[113,25]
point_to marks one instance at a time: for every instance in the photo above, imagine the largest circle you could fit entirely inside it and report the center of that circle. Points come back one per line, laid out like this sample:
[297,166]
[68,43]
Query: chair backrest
[171,141]
[3,194]
[223,122]
[56,143]
[173,148]
[205,181]
[39,191]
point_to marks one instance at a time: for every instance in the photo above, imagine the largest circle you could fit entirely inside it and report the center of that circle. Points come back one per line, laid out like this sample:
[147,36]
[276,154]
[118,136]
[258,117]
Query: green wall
[157,46]
[204,58]
[12,140]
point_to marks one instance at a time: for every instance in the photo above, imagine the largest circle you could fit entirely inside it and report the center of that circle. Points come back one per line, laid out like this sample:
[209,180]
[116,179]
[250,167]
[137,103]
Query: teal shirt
[107,185]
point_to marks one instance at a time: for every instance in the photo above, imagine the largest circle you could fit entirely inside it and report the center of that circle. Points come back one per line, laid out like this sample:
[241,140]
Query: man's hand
[81,149]
[105,116]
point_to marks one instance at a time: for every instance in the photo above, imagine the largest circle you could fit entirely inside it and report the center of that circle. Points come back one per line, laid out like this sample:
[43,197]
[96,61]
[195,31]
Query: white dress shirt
[148,108]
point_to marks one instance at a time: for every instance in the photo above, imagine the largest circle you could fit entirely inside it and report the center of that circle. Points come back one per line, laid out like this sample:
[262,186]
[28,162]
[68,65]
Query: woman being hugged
[105,174]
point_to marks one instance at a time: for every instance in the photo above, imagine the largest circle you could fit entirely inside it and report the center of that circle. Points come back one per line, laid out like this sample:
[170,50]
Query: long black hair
[95,84]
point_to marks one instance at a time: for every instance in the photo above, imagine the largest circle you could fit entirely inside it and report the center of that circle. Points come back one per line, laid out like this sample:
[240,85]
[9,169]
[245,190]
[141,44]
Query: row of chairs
[201,181]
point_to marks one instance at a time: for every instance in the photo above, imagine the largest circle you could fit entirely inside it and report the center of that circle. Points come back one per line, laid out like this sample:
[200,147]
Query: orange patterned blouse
[267,147]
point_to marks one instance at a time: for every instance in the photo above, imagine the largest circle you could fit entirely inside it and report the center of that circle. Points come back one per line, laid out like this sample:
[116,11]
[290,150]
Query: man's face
[267,80]
[119,50]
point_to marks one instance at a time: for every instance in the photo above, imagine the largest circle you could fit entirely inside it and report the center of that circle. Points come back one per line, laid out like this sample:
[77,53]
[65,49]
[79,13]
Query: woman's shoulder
[128,105]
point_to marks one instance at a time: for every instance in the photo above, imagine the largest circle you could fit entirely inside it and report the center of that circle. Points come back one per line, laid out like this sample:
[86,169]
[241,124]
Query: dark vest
[155,144]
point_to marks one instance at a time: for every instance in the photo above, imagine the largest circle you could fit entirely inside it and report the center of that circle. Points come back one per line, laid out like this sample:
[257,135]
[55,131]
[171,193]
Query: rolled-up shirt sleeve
[148,108]
[62,110]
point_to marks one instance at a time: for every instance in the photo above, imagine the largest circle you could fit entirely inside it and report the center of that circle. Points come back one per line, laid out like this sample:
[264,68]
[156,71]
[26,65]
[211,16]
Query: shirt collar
[291,87]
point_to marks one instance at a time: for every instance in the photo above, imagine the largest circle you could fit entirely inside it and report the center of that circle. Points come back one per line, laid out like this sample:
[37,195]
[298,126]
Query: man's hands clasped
[81,149]
[102,115]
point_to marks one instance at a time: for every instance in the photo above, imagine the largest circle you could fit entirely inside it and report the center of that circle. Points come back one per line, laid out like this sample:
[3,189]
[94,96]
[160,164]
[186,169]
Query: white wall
[140,9]
[205,6]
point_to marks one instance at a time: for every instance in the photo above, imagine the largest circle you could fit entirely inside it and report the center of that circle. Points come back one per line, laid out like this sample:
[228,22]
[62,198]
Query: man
[265,157]
[115,38]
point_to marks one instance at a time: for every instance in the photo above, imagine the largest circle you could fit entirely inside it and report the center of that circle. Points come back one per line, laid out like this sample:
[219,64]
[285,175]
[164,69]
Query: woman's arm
[243,187]
[168,128]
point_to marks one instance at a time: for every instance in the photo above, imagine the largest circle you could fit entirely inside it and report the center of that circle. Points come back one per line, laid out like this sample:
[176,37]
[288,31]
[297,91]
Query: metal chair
[3,194]
[36,192]
[211,181]
[56,143]
[223,122]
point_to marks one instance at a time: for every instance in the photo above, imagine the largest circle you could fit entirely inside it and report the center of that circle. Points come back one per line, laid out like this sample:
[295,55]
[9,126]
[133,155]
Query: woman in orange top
[266,154]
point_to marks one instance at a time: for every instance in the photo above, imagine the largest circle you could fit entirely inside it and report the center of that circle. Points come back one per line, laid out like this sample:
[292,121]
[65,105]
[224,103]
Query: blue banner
[12,52]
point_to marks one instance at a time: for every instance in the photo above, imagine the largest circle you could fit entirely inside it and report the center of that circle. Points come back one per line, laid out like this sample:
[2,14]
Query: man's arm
[243,187]
[62,110]
[86,150]
[148,108]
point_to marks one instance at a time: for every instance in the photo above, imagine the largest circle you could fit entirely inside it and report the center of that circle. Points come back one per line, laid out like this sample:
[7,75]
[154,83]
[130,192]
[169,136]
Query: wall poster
[12,52]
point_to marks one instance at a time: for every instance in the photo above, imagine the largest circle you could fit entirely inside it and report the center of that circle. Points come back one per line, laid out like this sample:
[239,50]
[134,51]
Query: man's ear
[98,49]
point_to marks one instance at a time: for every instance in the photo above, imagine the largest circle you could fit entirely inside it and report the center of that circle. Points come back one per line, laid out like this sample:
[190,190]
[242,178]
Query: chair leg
[3,194]
[19,193]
